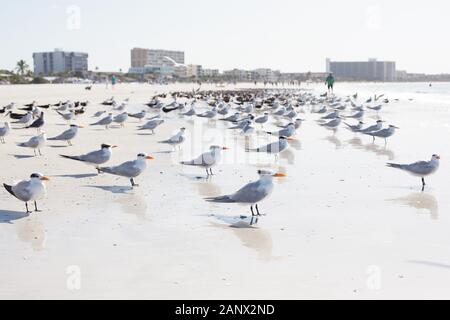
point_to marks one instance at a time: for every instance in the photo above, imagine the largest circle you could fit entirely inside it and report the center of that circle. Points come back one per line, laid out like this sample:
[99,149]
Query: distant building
[193,71]
[210,73]
[59,61]
[142,59]
[371,70]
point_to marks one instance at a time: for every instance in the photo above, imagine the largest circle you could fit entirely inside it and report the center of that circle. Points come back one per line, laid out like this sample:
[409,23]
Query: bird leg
[133,184]
[26,206]
[423,184]
[253,214]
[35,152]
[257,210]
[40,152]
[36,208]
[210,169]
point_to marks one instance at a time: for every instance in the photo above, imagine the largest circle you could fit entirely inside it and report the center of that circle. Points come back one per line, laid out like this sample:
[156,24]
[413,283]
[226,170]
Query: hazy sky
[289,35]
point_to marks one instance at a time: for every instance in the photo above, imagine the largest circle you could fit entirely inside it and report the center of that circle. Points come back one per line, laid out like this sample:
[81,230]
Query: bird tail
[394,165]
[106,169]
[70,157]
[8,188]
[22,144]
[223,199]
[187,163]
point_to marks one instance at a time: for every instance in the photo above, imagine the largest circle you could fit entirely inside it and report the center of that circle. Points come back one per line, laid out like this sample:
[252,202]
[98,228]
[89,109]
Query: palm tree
[22,67]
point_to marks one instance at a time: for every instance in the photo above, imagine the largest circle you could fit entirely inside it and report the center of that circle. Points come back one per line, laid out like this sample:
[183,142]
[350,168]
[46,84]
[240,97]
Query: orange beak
[291,139]
[81,127]
[150,158]
[280,175]
[45,179]
[114,146]
[225,148]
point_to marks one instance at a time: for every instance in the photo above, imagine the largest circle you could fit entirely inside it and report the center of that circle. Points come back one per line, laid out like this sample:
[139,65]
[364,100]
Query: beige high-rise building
[141,58]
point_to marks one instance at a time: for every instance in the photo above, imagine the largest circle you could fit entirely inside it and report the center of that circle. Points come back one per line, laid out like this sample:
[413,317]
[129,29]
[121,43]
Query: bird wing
[127,169]
[22,191]
[251,193]
[96,157]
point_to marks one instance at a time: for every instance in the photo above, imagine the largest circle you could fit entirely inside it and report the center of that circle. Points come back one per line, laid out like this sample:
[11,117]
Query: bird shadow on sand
[78,176]
[196,177]
[145,134]
[113,189]
[238,222]
[9,216]
[58,147]
[21,156]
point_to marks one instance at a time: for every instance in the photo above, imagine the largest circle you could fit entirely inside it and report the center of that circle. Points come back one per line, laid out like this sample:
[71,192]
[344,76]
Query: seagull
[357,115]
[288,132]
[105,121]
[376,108]
[331,116]
[190,113]
[29,190]
[175,64]
[207,160]
[35,143]
[208,114]
[384,133]
[152,125]
[67,116]
[94,158]
[25,119]
[4,131]
[233,118]
[377,127]
[67,135]
[355,128]
[99,113]
[176,139]
[263,119]
[274,147]
[120,119]
[252,193]
[419,169]
[38,123]
[130,169]
[333,123]
[140,115]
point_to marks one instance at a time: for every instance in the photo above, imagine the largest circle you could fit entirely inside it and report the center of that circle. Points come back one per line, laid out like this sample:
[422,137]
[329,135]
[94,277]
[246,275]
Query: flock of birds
[244,110]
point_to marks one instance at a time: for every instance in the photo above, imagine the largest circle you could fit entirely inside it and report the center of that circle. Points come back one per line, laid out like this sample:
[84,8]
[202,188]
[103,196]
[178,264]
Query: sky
[285,35]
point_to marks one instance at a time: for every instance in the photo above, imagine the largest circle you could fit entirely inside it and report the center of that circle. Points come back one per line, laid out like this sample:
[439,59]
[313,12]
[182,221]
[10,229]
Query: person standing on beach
[113,81]
[330,83]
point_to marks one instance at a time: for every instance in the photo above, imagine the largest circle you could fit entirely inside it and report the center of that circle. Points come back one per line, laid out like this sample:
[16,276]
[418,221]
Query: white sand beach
[340,225]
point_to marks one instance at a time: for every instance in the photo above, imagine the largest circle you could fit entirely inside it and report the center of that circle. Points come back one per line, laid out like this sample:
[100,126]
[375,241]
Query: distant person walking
[330,83]
[113,81]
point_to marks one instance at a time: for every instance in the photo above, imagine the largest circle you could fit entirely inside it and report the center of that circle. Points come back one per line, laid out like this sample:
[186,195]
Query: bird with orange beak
[252,193]
[130,169]
[29,190]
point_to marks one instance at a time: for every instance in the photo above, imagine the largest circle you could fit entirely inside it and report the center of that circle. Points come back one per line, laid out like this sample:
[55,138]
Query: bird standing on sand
[25,119]
[288,132]
[130,169]
[177,139]
[384,133]
[35,143]
[252,193]
[152,125]
[4,131]
[120,119]
[272,148]
[38,123]
[207,160]
[94,158]
[29,190]
[356,127]
[419,169]
[377,127]
[105,121]
[263,119]
[67,135]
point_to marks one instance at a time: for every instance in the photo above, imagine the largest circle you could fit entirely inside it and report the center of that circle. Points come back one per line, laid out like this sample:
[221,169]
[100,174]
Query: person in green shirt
[330,82]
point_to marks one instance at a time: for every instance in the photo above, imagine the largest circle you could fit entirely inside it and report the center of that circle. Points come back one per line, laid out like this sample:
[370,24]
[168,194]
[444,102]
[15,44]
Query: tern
[152,125]
[67,135]
[4,131]
[120,119]
[419,169]
[263,119]
[38,123]
[35,143]
[384,133]
[25,119]
[333,124]
[105,121]
[252,193]
[94,158]
[207,160]
[208,114]
[67,116]
[176,139]
[288,132]
[29,190]
[274,147]
[130,169]
[140,115]
[233,118]
[355,128]
[377,127]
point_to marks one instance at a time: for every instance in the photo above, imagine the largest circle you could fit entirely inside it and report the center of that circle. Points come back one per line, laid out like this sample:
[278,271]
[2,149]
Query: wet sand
[341,225]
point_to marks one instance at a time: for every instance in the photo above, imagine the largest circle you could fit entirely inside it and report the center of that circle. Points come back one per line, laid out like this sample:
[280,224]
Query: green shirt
[330,80]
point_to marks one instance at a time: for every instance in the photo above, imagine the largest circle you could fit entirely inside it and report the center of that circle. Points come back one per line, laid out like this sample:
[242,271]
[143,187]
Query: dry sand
[341,225]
